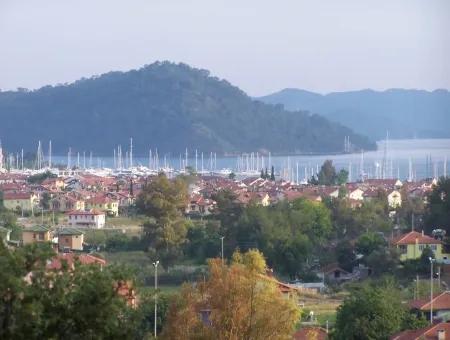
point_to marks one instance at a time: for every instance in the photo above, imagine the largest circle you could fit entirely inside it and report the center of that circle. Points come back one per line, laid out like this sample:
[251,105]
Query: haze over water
[427,158]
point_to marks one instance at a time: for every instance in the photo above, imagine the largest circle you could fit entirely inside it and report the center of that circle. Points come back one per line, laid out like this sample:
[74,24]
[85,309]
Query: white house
[394,199]
[356,194]
[90,219]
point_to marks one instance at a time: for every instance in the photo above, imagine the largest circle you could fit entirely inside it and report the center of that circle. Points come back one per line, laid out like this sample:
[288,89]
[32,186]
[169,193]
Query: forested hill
[164,105]
[404,113]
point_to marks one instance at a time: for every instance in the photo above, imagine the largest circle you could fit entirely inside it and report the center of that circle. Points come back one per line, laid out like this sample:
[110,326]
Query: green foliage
[438,210]
[383,261]
[328,176]
[146,313]
[163,201]
[203,240]
[153,103]
[373,311]
[39,178]
[272,173]
[327,173]
[122,242]
[286,232]
[342,177]
[345,255]
[369,242]
[81,304]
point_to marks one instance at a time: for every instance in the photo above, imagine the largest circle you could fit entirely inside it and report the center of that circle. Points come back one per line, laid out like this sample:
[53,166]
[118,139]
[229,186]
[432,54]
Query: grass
[324,309]
[165,289]
[124,222]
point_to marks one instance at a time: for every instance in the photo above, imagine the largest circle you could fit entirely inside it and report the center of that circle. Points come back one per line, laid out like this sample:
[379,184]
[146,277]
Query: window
[433,247]
[403,248]
[41,237]
[421,247]
[67,240]
[34,236]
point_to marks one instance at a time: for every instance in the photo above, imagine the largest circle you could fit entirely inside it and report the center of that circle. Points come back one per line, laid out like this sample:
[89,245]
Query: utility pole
[431,290]
[222,247]
[155,264]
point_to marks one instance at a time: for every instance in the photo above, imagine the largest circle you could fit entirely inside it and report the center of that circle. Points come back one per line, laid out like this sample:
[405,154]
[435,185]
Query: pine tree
[272,173]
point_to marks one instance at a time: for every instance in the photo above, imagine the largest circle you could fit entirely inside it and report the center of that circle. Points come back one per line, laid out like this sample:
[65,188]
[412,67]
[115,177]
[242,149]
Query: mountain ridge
[405,113]
[164,105]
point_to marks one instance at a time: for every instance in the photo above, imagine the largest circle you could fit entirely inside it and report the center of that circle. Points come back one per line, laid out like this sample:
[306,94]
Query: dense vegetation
[241,302]
[374,310]
[404,113]
[162,105]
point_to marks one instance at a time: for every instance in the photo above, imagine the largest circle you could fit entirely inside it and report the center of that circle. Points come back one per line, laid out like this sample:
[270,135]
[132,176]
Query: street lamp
[155,264]
[431,289]
[222,246]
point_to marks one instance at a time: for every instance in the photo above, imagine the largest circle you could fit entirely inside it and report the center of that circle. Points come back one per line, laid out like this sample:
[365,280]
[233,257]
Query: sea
[406,159]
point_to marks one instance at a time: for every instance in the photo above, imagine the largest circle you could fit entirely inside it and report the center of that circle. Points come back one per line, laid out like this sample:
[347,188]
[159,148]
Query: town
[92,218]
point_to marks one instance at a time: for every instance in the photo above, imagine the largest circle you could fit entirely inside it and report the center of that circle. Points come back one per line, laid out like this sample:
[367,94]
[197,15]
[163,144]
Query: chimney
[441,334]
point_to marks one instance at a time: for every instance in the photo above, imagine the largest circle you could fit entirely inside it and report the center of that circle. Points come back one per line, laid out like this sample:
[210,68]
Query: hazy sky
[260,46]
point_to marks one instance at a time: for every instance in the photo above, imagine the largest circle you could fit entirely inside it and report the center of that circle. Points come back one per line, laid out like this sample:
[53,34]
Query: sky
[261,46]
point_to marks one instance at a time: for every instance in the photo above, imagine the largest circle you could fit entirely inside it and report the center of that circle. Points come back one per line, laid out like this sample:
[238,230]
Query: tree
[342,177]
[78,304]
[45,201]
[236,302]
[369,242]
[327,173]
[163,202]
[373,311]
[345,255]
[312,218]
[438,211]
[232,176]
[262,175]
[272,173]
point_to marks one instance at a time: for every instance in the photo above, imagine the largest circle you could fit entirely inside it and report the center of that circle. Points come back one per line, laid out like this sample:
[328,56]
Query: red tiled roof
[56,262]
[16,195]
[412,236]
[427,333]
[307,333]
[440,302]
[92,212]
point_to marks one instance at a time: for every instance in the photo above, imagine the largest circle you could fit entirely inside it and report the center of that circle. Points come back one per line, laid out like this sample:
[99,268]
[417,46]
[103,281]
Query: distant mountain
[166,106]
[404,113]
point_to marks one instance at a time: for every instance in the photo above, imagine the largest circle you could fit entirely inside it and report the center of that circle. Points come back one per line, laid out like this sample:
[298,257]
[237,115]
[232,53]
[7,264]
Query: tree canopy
[373,311]
[41,304]
[235,302]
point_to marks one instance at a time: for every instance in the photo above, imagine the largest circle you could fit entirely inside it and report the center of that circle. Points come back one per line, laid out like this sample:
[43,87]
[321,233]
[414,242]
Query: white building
[90,219]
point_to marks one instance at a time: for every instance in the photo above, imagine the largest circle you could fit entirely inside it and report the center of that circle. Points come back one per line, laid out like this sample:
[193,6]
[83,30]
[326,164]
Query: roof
[16,196]
[70,231]
[37,229]
[427,333]
[332,267]
[440,302]
[307,333]
[56,262]
[89,213]
[412,237]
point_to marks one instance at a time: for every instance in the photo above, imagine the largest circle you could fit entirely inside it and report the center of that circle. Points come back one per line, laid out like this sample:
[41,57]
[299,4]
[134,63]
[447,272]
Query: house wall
[395,199]
[29,237]
[414,251]
[94,221]
[74,242]
[24,204]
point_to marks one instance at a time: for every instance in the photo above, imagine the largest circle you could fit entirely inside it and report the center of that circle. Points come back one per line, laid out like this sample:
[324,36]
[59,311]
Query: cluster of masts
[247,164]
